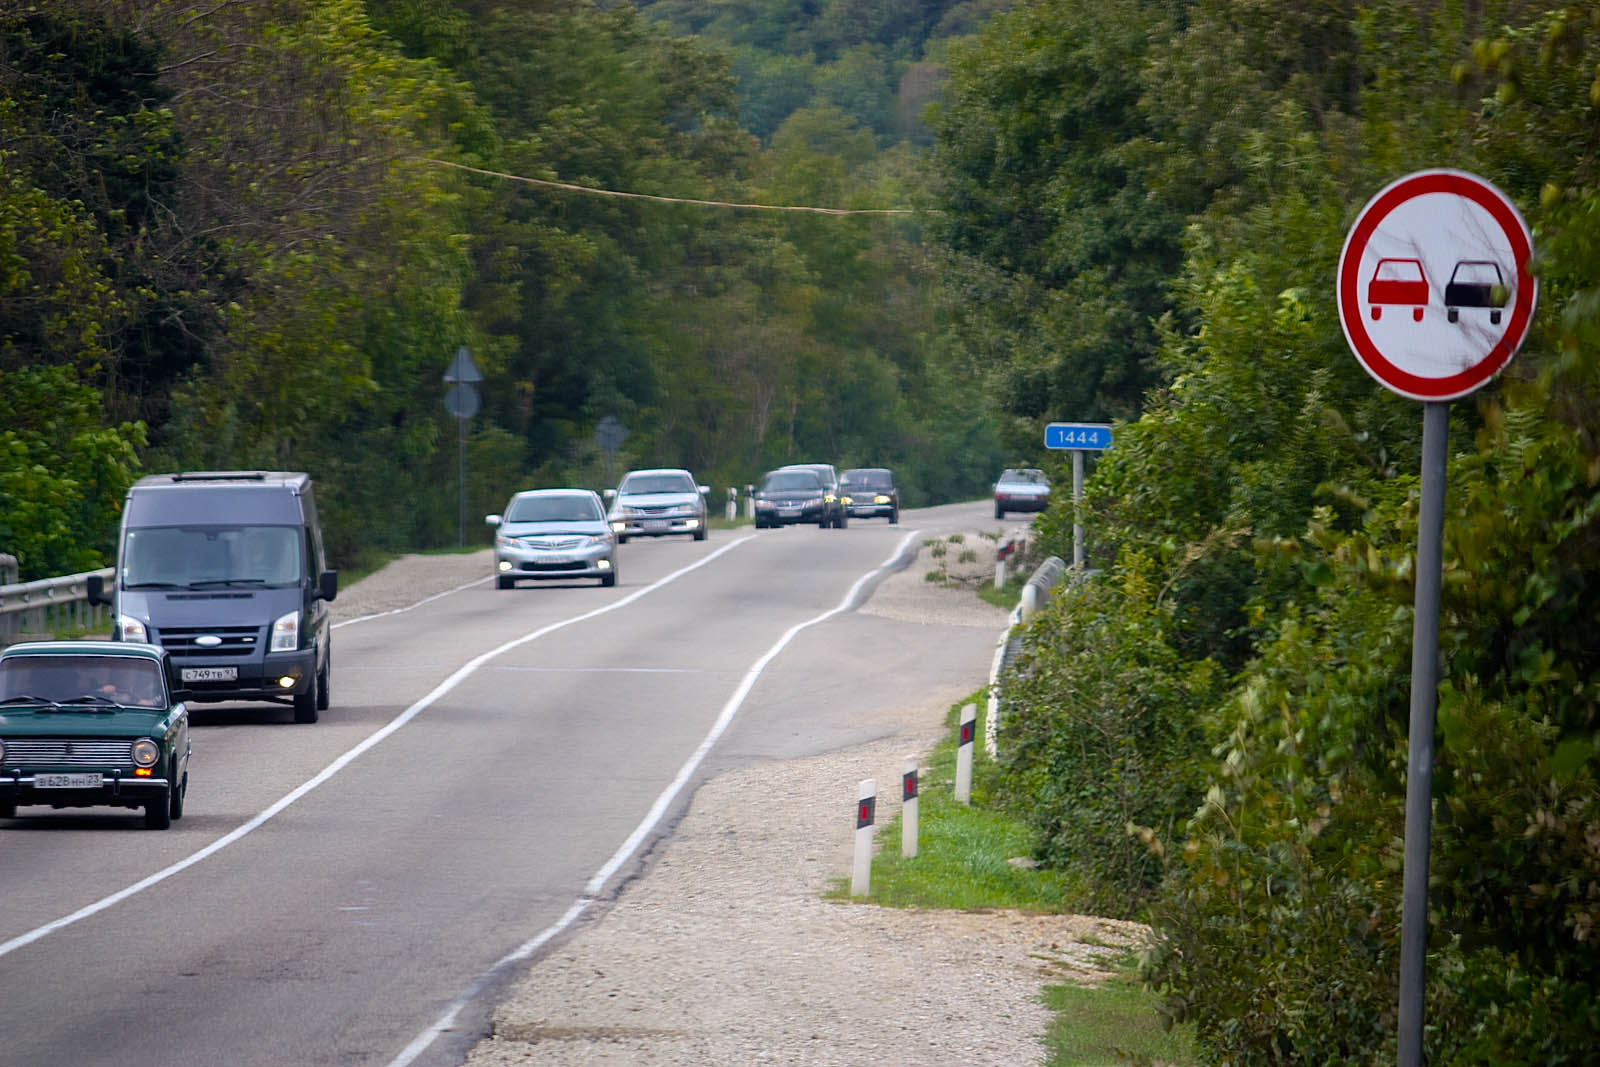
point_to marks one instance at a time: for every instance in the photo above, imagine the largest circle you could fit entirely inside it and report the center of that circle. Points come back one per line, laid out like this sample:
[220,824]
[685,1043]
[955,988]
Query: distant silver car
[657,502]
[553,534]
[1021,489]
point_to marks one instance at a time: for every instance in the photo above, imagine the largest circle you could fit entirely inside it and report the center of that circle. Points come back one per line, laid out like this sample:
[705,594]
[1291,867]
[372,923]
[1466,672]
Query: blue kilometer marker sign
[1085,436]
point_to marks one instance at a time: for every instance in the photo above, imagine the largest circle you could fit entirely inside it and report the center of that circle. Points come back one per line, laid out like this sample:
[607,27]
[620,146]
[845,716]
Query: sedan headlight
[286,633]
[145,752]
[132,629]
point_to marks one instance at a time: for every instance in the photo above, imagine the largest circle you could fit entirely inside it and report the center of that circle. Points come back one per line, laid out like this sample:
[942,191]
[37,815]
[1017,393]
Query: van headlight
[132,629]
[286,633]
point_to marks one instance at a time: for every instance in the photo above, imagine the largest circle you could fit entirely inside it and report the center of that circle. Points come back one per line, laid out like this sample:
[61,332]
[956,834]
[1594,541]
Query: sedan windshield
[571,508]
[867,479]
[64,679]
[791,481]
[173,557]
[657,483]
[1028,477]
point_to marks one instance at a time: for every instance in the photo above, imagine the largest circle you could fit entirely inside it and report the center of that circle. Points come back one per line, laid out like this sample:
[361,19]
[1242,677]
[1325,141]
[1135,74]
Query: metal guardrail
[49,606]
[1034,595]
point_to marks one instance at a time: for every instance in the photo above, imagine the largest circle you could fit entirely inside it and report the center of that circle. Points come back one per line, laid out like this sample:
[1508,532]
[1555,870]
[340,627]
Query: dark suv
[832,498]
[869,492]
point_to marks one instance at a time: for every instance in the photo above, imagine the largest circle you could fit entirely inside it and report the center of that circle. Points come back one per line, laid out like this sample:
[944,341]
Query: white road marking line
[418,604]
[606,670]
[371,741]
[446,1022]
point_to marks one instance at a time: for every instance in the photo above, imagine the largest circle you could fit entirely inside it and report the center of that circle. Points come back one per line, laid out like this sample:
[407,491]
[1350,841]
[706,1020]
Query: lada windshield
[657,483]
[69,679]
[173,557]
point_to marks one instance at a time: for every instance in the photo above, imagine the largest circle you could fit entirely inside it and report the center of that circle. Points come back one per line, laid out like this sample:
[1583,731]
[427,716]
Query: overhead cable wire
[675,199]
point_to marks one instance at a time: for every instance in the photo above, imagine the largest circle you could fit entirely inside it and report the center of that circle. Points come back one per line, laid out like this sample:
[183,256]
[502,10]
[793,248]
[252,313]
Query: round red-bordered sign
[1433,286]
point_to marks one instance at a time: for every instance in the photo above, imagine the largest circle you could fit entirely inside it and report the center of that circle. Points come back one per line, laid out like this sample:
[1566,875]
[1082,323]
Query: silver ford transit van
[225,570]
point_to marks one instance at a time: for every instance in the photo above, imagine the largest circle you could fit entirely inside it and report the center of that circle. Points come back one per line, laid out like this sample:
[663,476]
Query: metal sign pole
[1077,509]
[1419,759]
[461,448]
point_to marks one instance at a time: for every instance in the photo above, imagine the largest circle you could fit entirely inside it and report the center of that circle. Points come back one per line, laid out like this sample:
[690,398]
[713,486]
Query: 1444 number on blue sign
[1089,436]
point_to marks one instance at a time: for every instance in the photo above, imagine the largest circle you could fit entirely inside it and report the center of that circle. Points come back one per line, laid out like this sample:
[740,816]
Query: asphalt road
[492,763]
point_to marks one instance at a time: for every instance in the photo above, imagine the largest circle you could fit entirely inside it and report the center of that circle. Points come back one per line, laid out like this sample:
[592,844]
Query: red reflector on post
[865,811]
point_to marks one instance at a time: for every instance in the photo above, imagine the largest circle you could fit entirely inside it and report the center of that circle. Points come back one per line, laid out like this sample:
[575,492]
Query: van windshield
[187,557]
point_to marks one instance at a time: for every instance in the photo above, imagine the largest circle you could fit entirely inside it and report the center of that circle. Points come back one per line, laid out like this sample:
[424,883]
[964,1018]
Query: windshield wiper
[155,585]
[99,702]
[28,698]
[209,583]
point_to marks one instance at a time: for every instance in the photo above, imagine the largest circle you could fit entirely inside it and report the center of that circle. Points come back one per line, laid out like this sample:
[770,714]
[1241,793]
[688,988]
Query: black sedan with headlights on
[92,724]
[792,495]
[870,492]
[553,534]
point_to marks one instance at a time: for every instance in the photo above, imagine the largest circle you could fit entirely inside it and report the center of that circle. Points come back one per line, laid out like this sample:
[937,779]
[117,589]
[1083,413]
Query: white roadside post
[733,503]
[908,808]
[750,502]
[969,723]
[866,806]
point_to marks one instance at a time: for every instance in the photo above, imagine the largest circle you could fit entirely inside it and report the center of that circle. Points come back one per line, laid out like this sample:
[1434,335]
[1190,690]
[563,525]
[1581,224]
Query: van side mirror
[492,520]
[328,585]
[704,489]
[611,494]
[95,591]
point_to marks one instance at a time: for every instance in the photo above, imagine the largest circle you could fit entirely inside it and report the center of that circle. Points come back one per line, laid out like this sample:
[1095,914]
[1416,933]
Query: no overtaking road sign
[1433,286]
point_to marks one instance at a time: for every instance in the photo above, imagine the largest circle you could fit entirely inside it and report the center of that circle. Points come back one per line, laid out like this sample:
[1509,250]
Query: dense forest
[254,234]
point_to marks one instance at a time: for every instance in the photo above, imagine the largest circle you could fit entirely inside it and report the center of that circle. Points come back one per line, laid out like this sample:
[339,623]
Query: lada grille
[236,640]
[62,752]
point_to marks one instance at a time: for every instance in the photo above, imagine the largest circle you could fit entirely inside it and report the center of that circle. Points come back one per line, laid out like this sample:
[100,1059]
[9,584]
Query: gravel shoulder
[722,951]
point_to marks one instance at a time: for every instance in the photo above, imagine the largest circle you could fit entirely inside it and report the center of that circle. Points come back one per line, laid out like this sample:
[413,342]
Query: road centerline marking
[658,810]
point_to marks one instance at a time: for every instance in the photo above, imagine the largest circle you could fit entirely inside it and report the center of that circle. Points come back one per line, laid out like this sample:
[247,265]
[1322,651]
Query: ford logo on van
[208,640]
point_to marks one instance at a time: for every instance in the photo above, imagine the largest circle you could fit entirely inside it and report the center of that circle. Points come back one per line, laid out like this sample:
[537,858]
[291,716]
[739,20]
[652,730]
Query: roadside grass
[1006,596]
[965,862]
[1112,1023]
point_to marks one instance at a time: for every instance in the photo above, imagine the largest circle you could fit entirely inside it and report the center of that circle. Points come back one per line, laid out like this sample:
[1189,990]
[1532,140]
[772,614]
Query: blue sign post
[1079,437]
[1085,436]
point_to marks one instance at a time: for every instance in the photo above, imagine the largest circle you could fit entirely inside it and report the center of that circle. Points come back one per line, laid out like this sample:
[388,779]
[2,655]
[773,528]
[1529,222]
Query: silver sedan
[553,534]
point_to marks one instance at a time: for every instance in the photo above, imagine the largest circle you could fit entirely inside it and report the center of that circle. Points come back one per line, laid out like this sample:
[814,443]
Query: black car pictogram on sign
[1475,283]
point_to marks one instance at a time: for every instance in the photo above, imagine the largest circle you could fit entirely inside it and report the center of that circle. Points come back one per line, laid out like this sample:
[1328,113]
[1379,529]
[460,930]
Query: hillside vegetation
[241,235]
[1213,732]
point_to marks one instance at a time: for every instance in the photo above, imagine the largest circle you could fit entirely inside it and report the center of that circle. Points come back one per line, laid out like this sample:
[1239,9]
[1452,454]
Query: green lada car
[92,724]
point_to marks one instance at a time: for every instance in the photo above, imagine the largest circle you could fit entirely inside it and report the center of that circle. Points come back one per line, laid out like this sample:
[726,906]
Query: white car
[1021,489]
[553,534]
[658,502]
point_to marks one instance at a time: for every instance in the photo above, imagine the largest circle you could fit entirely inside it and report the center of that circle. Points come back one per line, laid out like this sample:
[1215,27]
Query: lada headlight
[145,752]
[286,633]
[132,629]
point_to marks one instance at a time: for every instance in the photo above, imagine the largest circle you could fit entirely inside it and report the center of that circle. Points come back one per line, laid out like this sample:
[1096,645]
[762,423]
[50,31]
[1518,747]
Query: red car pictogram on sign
[1398,281]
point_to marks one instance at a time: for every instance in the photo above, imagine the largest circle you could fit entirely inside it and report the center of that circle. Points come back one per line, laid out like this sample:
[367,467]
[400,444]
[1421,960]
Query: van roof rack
[220,476]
